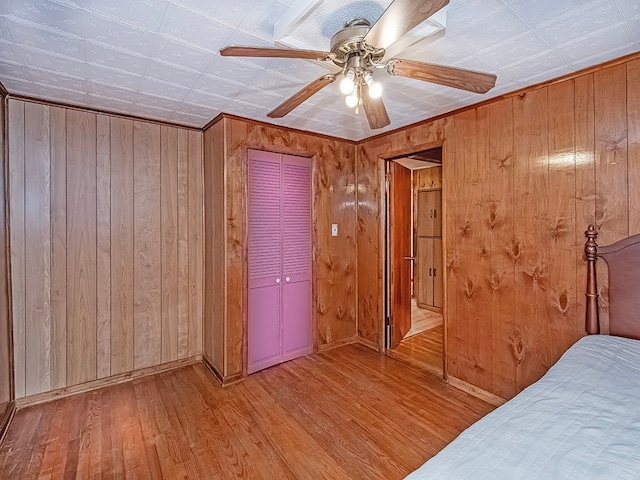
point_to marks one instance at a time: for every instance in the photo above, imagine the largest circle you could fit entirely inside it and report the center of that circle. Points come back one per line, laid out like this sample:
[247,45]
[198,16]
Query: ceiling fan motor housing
[349,41]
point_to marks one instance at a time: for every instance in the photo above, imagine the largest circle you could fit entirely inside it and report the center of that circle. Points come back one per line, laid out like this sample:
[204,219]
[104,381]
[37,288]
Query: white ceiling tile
[172,51]
[261,18]
[276,84]
[218,86]
[126,37]
[229,12]
[514,50]
[261,98]
[13,69]
[119,79]
[48,77]
[535,65]
[147,13]
[206,100]
[51,61]
[627,8]
[182,77]
[113,58]
[107,103]
[461,13]
[109,90]
[489,31]
[231,69]
[602,41]
[305,70]
[62,94]
[441,51]
[163,89]
[20,86]
[47,14]
[542,11]
[571,26]
[7,52]
[27,34]
[195,29]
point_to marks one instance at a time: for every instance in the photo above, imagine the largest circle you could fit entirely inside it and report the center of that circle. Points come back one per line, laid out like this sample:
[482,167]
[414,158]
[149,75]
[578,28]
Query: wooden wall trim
[477,392]
[222,380]
[64,392]
[6,419]
[515,93]
[339,343]
[111,113]
[3,90]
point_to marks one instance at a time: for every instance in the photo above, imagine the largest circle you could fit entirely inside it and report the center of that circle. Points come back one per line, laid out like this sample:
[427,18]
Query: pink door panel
[264,329]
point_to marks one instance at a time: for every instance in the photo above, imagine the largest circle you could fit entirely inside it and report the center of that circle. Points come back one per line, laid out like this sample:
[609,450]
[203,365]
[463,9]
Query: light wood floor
[346,413]
[423,350]
[422,319]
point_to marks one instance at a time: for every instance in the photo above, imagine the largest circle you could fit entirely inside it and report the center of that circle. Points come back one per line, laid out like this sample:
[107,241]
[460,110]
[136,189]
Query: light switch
[334,229]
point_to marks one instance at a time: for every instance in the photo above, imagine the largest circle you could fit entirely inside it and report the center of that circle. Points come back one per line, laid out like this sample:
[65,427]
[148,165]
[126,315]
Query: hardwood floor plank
[350,413]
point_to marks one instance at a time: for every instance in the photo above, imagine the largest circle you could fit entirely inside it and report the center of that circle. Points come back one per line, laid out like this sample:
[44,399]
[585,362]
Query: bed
[582,419]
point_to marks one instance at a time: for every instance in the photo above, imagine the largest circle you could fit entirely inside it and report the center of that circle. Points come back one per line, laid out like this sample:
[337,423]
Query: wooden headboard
[623,259]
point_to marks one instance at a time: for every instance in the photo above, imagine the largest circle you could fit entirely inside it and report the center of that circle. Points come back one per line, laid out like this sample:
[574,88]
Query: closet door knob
[277,280]
[288,279]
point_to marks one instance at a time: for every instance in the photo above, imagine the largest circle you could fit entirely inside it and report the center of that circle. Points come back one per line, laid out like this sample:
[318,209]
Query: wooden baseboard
[6,419]
[339,343]
[368,343]
[475,391]
[103,382]
[224,381]
[415,362]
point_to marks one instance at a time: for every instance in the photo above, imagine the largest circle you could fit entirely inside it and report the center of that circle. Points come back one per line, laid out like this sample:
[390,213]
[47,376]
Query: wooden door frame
[280,150]
[383,265]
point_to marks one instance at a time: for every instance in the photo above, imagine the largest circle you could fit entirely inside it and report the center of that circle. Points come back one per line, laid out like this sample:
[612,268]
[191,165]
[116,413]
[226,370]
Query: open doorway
[415,287]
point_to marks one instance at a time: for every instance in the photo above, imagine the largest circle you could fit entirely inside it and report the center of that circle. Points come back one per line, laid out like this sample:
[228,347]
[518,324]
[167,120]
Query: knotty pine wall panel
[106,219]
[335,303]
[523,177]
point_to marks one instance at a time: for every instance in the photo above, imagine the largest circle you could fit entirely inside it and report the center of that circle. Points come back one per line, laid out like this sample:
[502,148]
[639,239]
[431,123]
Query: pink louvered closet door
[279,297]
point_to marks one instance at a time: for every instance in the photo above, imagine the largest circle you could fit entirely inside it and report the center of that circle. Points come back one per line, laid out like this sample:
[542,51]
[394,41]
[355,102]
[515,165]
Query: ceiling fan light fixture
[347,84]
[352,99]
[375,89]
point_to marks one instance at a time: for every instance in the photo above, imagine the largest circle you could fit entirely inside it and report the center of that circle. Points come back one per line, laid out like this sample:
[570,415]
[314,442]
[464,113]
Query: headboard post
[591,253]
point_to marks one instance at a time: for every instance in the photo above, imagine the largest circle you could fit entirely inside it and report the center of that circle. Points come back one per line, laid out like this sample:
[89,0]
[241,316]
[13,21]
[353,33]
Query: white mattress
[580,421]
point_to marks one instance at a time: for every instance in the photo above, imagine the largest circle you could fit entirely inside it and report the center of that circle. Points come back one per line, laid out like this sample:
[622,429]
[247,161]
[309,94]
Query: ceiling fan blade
[236,51]
[470,80]
[304,94]
[400,17]
[376,112]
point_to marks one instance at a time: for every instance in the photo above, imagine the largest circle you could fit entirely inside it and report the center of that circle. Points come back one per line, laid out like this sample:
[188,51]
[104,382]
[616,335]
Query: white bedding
[580,421]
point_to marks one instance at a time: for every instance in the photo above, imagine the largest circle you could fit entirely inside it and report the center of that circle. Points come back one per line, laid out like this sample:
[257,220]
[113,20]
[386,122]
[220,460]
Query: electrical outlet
[334,229]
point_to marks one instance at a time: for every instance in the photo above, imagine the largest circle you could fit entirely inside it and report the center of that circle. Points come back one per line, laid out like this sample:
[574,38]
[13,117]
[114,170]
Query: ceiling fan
[359,48]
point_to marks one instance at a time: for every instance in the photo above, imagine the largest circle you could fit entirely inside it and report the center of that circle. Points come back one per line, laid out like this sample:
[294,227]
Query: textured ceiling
[159,58]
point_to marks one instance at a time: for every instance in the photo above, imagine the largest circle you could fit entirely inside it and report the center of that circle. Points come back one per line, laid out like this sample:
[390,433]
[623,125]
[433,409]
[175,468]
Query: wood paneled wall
[335,274]
[106,224]
[6,361]
[523,177]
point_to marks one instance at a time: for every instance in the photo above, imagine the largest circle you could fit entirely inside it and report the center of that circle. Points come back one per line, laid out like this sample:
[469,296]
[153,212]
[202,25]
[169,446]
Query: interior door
[400,249]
